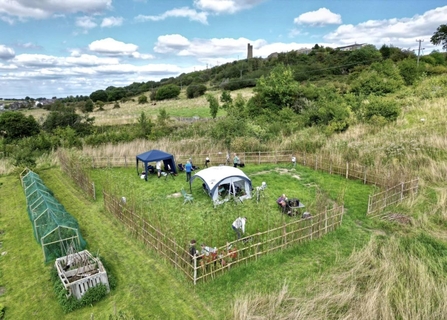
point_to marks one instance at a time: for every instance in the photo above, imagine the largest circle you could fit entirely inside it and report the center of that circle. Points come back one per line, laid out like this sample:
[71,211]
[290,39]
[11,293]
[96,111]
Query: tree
[145,125]
[278,90]
[99,95]
[440,36]
[15,125]
[214,105]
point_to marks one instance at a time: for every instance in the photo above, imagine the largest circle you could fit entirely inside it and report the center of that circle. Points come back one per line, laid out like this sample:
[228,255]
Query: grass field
[148,288]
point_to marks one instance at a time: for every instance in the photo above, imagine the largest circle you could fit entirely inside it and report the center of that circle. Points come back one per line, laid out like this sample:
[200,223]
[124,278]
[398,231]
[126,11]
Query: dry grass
[129,111]
[381,281]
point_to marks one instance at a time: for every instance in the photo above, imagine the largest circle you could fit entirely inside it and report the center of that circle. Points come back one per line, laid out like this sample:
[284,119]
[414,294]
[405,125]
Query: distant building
[249,51]
[352,47]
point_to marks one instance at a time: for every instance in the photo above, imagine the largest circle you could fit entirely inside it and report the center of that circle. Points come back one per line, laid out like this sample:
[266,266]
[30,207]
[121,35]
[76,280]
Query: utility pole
[419,50]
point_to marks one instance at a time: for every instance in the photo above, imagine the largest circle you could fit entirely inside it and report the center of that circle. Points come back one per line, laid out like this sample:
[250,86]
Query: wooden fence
[75,170]
[326,162]
[379,201]
[231,254]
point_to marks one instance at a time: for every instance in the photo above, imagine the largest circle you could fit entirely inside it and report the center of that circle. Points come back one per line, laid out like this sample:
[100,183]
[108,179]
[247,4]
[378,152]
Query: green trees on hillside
[276,91]
[99,95]
[15,125]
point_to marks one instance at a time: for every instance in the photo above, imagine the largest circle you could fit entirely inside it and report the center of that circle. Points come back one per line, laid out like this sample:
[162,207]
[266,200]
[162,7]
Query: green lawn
[147,287]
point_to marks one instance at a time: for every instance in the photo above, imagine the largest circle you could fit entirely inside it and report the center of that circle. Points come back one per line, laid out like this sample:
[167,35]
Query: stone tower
[249,51]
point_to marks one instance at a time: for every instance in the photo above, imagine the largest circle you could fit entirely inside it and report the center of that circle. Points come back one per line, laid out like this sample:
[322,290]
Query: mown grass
[147,288]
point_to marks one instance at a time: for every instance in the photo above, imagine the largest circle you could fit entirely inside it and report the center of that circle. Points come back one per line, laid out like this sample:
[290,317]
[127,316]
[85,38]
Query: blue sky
[74,47]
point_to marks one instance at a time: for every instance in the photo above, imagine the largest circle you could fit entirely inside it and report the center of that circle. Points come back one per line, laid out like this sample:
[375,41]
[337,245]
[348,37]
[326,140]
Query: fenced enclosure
[379,201]
[54,228]
[260,243]
[232,253]
[325,162]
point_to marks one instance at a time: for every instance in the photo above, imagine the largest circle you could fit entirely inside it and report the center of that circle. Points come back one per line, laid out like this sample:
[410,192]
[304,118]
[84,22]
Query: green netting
[54,228]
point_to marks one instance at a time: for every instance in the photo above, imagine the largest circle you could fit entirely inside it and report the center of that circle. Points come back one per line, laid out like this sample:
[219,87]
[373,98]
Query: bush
[196,90]
[238,84]
[142,99]
[169,91]
[376,107]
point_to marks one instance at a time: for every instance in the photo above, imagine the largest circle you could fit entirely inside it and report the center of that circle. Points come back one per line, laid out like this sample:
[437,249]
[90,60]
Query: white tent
[224,179]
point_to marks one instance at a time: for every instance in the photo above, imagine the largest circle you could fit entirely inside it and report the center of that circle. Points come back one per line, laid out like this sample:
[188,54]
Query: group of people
[206,255]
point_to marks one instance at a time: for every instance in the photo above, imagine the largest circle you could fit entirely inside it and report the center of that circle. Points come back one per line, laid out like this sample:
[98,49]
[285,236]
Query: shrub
[195,90]
[142,99]
[380,107]
[169,91]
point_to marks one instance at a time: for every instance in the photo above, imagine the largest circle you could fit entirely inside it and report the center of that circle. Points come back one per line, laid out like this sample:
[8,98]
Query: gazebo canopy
[156,155]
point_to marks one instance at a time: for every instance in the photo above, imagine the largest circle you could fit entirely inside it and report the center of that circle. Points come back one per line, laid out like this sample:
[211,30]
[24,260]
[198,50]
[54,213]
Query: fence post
[330,166]
[316,162]
[195,270]
[325,220]
[369,205]
[364,174]
[259,157]
[125,161]
[347,170]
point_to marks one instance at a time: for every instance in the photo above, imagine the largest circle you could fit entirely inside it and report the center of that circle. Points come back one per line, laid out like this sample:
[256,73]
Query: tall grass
[391,278]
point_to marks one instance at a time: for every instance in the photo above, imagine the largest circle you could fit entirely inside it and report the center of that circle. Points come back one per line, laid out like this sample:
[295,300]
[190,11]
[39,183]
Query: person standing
[207,161]
[235,161]
[193,251]
[158,167]
[188,169]
[239,226]
[294,161]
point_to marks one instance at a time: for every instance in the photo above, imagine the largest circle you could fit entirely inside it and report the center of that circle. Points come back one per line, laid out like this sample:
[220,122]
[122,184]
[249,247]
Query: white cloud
[6,53]
[184,12]
[171,43]
[86,22]
[7,66]
[320,17]
[112,47]
[138,55]
[112,22]
[397,32]
[45,9]
[225,6]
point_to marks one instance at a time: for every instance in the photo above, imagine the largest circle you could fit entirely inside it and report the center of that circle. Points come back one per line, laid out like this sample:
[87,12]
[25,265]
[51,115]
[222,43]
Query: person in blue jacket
[188,169]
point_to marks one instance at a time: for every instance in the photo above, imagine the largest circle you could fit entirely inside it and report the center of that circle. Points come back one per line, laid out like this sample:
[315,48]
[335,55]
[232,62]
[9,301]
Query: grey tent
[217,177]
[154,156]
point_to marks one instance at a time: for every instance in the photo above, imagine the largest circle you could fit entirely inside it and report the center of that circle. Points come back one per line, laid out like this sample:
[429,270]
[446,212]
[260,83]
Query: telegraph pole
[419,50]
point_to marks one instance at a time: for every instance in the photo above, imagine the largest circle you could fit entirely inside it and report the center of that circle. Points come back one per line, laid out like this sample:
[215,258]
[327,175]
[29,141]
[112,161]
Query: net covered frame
[53,227]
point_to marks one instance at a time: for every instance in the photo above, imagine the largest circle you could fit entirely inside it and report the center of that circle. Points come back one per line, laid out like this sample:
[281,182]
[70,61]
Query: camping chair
[186,196]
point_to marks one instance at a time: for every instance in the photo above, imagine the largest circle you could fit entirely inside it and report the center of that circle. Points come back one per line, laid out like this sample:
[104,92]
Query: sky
[59,48]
